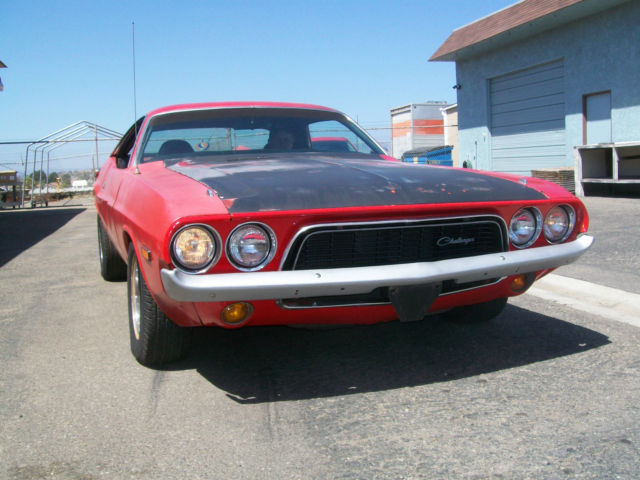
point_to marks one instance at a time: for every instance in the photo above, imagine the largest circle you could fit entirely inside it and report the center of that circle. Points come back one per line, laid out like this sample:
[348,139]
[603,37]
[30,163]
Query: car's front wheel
[155,339]
[112,267]
[478,313]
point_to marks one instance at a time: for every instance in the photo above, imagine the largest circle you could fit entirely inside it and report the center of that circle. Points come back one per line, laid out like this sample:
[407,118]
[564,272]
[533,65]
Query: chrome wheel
[134,296]
[154,338]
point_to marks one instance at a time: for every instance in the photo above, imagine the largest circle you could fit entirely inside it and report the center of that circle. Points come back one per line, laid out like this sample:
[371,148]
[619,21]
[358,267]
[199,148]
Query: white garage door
[527,119]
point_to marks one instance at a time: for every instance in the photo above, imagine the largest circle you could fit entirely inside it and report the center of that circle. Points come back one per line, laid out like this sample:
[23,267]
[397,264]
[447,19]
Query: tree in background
[34,179]
[66,180]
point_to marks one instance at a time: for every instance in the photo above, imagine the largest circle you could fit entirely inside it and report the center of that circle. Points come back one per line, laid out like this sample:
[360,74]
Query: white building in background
[417,125]
[78,184]
[450,117]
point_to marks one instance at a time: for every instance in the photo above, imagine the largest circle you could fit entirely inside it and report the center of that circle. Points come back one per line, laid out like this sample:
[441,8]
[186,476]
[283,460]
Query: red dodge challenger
[225,215]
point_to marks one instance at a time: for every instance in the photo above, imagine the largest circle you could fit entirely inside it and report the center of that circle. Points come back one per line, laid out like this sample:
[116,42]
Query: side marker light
[145,253]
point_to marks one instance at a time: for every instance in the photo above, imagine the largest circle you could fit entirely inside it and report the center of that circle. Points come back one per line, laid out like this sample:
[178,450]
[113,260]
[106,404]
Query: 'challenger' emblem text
[446,241]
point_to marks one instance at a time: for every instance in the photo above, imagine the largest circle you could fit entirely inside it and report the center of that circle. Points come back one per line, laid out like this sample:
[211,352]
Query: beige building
[450,120]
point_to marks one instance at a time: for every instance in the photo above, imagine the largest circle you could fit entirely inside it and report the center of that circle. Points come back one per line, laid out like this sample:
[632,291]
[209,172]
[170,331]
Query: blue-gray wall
[600,52]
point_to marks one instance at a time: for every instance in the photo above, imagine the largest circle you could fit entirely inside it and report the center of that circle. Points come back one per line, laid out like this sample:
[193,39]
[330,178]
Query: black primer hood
[295,181]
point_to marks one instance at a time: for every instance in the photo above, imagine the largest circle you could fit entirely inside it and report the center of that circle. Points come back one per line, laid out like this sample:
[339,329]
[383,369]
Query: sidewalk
[588,297]
[77,201]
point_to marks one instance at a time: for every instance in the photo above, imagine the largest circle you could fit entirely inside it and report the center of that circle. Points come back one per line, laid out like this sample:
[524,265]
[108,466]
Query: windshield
[246,130]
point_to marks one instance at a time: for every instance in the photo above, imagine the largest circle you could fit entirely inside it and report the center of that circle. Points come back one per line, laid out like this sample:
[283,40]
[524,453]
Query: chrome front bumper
[227,287]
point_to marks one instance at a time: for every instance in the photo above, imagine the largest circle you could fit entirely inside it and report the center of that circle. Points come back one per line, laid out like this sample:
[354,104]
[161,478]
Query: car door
[110,179]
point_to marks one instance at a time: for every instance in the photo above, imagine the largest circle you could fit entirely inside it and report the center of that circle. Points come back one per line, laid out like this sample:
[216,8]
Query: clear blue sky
[70,61]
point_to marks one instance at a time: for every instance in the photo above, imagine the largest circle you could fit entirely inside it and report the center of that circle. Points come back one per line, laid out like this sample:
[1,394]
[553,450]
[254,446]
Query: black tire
[112,267]
[478,313]
[155,339]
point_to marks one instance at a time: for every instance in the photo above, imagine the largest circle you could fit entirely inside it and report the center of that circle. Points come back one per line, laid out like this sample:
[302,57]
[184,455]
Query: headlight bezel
[537,217]
[571,218]
[246,266]
[214,257]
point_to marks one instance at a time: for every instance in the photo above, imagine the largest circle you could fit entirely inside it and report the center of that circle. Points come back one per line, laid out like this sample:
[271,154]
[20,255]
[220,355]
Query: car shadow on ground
[23,229]
[256,365]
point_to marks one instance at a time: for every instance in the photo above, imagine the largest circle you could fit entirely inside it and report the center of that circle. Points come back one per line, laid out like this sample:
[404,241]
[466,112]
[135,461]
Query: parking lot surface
[543,391]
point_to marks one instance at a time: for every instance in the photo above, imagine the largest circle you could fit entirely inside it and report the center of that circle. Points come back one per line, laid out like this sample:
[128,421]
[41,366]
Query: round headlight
[558,224]
[524,227]
[194,248]
[251,246]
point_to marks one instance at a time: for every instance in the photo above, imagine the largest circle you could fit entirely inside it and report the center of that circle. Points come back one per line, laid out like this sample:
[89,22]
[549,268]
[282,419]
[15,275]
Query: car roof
[215,105]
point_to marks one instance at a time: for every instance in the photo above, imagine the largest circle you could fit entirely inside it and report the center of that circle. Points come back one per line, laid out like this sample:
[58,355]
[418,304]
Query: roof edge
[516,22]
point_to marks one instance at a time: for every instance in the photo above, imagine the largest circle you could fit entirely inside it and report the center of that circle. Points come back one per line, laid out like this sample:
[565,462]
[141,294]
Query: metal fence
[42,164]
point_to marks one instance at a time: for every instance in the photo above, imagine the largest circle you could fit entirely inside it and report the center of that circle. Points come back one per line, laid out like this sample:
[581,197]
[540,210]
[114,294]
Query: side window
[122,152]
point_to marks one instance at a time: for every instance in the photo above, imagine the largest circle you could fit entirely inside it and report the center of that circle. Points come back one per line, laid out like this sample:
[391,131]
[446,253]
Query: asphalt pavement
[545,391]
[614,258]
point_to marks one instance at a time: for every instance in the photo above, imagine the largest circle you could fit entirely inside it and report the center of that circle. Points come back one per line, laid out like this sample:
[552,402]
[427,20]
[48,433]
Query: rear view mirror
[122,162]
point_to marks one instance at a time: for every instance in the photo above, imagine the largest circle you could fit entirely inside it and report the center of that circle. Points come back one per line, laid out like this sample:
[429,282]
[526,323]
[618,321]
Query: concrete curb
[589,297]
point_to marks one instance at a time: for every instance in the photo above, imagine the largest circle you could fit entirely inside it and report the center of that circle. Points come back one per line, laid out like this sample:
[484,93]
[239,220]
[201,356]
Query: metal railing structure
[70,134]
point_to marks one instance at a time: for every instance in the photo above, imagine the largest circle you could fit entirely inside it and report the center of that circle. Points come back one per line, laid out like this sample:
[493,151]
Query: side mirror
[122,162]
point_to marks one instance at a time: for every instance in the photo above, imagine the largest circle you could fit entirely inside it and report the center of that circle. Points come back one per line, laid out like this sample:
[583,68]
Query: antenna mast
[133,44]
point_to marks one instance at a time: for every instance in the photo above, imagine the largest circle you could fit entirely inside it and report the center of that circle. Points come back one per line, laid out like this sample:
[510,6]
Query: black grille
[397,243]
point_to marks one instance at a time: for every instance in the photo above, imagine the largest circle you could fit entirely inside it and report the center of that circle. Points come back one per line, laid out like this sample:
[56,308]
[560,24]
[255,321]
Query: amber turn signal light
[520,283]
[146,253]
[236,313]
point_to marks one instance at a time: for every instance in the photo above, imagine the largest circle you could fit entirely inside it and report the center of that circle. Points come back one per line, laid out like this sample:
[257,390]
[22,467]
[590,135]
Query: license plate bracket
[412,302]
